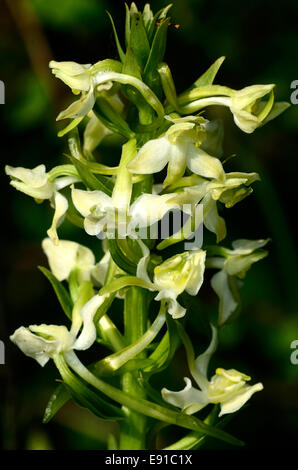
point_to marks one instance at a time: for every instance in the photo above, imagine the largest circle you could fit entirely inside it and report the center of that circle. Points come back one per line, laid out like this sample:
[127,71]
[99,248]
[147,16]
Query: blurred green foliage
[260,40]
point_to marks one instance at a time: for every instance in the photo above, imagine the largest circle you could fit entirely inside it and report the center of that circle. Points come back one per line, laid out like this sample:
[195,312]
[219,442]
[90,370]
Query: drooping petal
[61,206]
[246,121]
[228,300]
[189,400]
[88,334]
[200,367]
[142,272]
[212,220]
[174,308]
[79,108]
[177,163]
[196,278]
[152,157]
[235,403]
[199,162]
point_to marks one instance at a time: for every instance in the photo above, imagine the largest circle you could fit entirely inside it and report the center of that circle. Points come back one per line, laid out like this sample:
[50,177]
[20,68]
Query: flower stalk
[172,163]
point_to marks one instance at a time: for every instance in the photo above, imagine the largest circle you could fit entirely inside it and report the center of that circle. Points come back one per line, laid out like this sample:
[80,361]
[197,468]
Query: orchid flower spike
[227,387]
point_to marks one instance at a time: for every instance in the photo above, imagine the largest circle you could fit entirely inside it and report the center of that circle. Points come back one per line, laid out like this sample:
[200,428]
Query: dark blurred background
[260,41]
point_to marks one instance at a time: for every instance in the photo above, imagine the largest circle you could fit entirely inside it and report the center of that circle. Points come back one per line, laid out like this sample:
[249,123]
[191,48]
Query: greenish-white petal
[88,334]
[79,108]
[61,206]
[149,208]
[99,271]
[212,220]
[246,121]
[228,303]
[200,367]
[76,76]
[33,182]
[177,163]
[240,399]
[94,133]
[67,256]
[196,278]
[189,400]
[199,162]
[152,157]
[245,247]
[174,308]
[35,346]
[248,95]
[84,201]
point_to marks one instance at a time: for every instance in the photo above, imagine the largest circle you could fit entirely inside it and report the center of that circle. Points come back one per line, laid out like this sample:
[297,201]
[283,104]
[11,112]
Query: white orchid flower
[248,110]
[183,272]
[38,184]
[89,80]
[227,387]
[234,264]
[179,147]
[44,342]
[80,79]
[68,256]
[234,188]
[102,214]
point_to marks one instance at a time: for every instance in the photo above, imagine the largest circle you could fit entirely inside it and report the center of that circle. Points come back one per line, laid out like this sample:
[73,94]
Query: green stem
[132,430]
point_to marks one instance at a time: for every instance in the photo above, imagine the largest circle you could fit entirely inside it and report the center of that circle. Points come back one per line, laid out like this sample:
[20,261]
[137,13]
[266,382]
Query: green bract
[133,209]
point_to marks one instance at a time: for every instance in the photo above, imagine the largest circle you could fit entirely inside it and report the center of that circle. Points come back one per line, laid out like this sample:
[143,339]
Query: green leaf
[119,48]
[208,77]
[151,76]
[58,398]
[130,65]
[125,253]
[138,40]
[92,182]
[111,119]
[122,282]
[147,17]
[165,350]
[160,15]
[62,294]
[85,397]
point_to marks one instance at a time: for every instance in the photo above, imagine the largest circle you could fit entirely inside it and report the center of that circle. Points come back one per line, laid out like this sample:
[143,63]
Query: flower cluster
[135,101]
